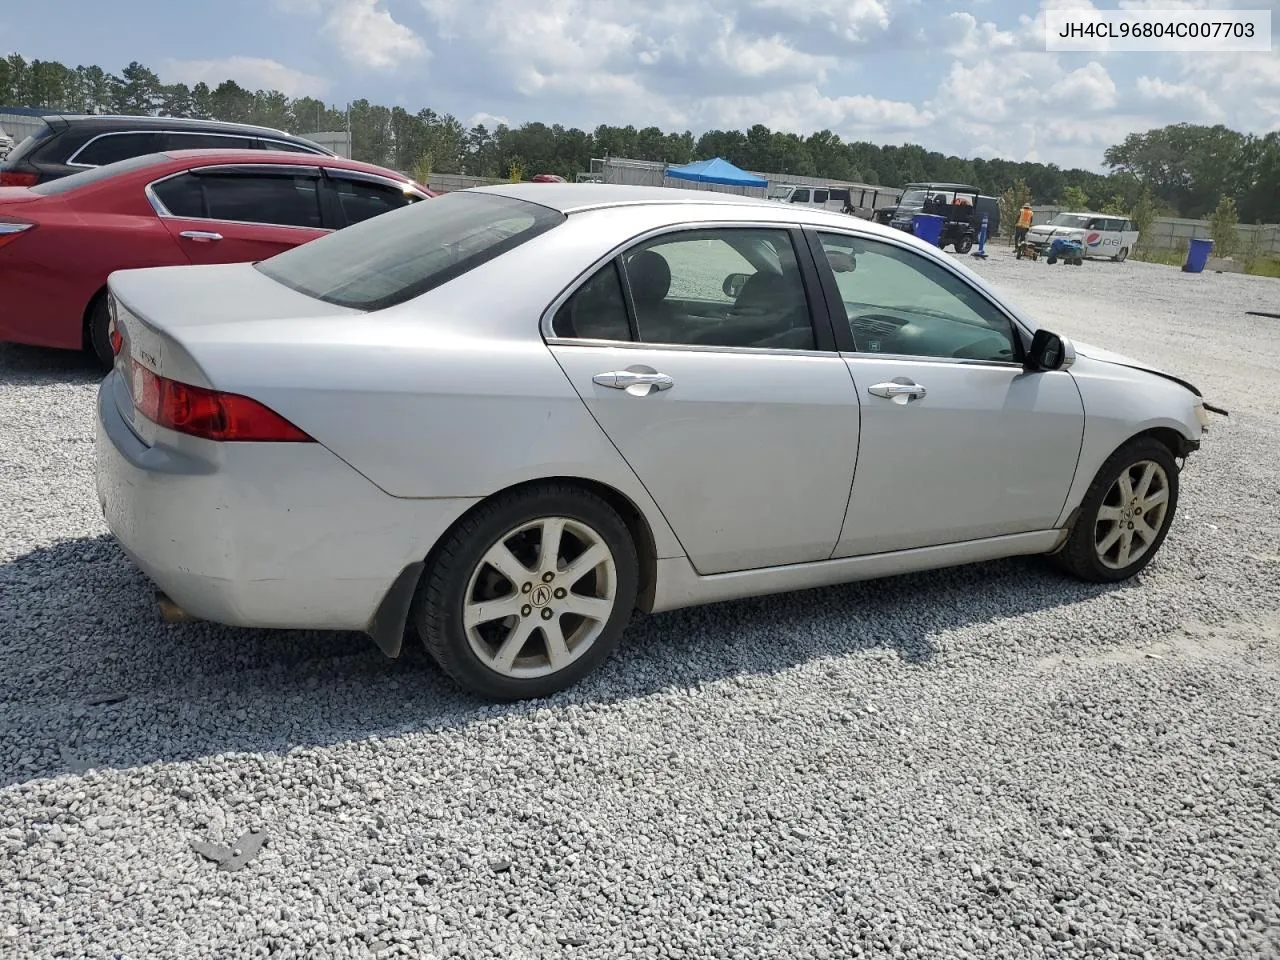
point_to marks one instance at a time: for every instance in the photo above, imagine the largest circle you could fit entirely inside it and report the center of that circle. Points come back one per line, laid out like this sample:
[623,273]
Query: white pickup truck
[6,144]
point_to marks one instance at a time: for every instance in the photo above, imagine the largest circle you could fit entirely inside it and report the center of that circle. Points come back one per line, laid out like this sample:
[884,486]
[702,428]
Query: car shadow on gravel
[91,677]
[40,366]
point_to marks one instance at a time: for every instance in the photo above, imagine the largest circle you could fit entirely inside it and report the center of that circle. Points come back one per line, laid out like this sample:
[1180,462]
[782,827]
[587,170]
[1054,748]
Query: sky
[968,78]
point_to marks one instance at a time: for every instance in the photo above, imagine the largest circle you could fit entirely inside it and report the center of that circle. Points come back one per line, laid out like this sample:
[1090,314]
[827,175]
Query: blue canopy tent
[717,170]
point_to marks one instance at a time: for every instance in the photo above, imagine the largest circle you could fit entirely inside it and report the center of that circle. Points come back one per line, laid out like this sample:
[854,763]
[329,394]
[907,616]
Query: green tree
[1116,206]
[1073,198]
[1142,216]
[1011,201]
[1222,227]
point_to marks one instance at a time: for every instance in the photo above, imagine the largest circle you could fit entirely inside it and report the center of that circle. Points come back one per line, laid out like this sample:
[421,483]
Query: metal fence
[1175,233]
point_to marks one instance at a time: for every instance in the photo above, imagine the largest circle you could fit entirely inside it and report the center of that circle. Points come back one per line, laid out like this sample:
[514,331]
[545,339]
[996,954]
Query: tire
[964,245]
[460,575]
[1082,555]
[97,333]
[1051,261]
[1018,255]
[1122,256]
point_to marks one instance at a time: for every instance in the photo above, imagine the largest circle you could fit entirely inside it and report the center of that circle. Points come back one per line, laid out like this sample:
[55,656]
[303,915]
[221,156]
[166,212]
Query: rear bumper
[259,535]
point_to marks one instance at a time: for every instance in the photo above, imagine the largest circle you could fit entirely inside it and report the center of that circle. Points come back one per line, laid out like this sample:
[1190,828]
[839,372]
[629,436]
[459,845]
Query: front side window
[392,258]
[730,287]
[899,302]
[118,146]
[800,196]
[361,200]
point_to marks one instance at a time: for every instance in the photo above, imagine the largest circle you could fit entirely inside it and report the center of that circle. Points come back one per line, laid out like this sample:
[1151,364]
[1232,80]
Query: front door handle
[636,382]
[900,390]
[204,236]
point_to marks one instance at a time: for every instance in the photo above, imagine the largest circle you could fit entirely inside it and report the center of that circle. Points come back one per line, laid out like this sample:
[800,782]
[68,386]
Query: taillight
[17,178]
[113,331]
[11,230]
[208,414]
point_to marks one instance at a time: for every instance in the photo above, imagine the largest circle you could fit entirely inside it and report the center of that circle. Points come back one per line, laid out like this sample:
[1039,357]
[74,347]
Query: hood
[1120,360]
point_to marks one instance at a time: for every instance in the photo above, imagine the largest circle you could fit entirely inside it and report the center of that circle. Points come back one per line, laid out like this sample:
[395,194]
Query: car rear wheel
[964,244]
[1122,256]
[1125,514]
[529,594]
[97,333]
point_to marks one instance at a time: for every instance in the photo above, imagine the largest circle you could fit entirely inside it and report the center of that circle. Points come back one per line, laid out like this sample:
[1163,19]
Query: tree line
[1179,170]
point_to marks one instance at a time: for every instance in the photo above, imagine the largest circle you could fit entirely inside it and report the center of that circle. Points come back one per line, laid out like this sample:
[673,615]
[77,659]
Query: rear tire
[964,245]
[1125,514]
[1122,256]
[97,332]
[539,624]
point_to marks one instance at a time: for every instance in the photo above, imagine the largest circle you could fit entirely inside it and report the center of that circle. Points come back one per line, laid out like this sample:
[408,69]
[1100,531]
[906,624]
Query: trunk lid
[9,196]
[163,314]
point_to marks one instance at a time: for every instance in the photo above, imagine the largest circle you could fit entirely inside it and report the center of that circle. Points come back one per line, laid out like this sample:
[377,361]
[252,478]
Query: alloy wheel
[540,597]
[1132,514]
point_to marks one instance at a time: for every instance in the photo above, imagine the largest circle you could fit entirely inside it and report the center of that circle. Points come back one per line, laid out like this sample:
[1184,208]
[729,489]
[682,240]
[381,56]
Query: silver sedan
[507,419]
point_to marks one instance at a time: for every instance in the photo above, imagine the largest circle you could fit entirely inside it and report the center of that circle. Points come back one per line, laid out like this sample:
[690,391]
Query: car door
[957,441]
[241,212]
[739,418]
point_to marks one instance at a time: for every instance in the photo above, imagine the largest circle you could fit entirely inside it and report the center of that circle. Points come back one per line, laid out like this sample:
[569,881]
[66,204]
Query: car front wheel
[529,594]
[1125,514]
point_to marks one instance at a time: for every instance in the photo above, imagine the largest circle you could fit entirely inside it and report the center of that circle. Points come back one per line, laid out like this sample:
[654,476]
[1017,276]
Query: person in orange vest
[1024,224]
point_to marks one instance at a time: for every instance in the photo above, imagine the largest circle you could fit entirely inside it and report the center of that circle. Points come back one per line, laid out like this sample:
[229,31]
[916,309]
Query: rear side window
[820,196]
[288,147]
[207,141]
[393,258]
[361,200]
[181,196]
[114,147]
[800,196]
[86,177]
[280,200]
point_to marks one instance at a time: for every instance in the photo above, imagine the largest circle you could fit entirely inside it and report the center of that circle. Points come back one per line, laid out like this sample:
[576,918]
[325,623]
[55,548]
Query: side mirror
[1050,352]
[733,284]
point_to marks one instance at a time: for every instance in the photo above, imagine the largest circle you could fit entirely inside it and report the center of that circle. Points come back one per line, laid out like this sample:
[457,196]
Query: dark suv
[70,144]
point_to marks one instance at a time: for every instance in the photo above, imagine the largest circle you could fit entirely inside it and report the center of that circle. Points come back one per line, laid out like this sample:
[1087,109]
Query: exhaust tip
[170,611]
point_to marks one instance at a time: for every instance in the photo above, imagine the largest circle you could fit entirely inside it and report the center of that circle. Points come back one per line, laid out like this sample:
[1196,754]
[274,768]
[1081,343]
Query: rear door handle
[900,390]
[204,236]
[626,379]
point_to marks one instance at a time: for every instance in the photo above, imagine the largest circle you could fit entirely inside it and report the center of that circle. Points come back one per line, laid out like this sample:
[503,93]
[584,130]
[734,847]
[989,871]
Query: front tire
[1122,256]
[964,245]
[1125,514]
[529,594]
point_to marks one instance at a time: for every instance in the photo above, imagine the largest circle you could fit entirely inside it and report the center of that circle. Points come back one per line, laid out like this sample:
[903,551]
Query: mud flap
[387,628]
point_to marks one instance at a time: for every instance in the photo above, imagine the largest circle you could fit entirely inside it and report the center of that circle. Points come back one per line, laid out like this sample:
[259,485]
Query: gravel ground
[984,762]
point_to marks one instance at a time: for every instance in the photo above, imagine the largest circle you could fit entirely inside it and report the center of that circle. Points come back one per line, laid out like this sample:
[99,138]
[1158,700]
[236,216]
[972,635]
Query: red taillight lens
[208,413]
[16,178]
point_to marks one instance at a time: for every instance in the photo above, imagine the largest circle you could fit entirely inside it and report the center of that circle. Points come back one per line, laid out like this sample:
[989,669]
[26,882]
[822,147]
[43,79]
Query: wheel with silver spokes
[1125,514]
[530,593]
[1132,513]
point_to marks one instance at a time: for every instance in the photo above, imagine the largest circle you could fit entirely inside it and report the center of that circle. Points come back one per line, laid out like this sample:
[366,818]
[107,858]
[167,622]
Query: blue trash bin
[928,227]
[1197,256]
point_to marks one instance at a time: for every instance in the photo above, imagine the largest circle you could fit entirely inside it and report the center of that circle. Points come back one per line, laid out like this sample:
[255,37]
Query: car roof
[573,197]
[241,155]
[140,122]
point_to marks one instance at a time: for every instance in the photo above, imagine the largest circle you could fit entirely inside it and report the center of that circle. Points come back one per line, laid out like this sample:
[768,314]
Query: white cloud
[368,36]
[487,120]
[254,73]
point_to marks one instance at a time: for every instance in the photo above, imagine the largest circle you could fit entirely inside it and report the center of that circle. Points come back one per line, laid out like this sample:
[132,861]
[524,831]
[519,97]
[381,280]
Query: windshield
[914,198]
[1069,220]
[400,255]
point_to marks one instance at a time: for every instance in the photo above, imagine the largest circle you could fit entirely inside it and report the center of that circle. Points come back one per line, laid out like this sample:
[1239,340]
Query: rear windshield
[86,177]
[399,255]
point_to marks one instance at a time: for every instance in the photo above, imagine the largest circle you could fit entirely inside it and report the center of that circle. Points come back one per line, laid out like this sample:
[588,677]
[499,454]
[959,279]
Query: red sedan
[59,241]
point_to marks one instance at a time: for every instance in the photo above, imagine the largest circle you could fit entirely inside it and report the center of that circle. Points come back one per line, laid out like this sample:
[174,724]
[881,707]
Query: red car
[59,241]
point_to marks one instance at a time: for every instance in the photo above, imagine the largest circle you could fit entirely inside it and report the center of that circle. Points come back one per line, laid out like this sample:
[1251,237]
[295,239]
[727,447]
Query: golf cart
[960,205]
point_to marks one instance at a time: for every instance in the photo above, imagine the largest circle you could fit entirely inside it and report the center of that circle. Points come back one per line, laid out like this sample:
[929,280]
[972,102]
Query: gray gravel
[984,762]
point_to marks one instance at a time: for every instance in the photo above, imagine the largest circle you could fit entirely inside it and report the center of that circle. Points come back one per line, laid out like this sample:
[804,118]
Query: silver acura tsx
[509,417]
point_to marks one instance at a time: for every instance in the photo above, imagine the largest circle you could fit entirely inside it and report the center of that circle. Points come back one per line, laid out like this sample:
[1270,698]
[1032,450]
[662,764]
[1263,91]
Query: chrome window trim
[913,358]
[548,315]
[164,213]
[72,162]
